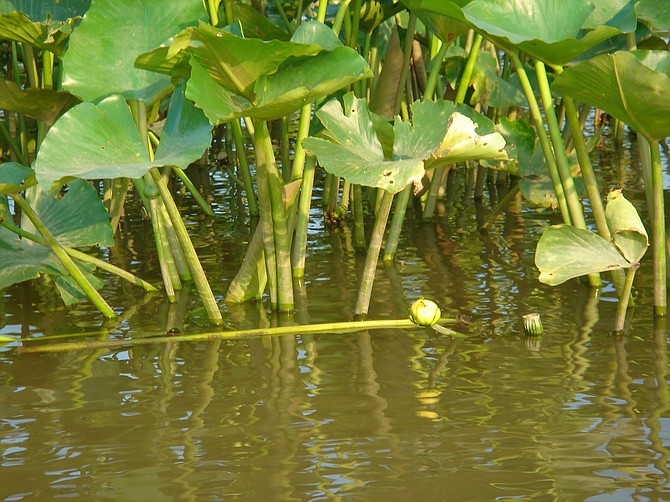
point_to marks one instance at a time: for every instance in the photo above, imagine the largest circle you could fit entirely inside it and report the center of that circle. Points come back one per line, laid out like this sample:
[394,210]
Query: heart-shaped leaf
[101,141]
[355,152]
[565,252]
[41,23]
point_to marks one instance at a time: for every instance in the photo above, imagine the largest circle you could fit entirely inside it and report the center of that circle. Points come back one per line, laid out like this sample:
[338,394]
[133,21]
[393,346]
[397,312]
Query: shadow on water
[383,415]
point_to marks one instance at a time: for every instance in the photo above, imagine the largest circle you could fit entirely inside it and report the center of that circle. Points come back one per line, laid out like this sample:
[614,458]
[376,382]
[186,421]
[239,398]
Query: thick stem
[396,223]
[372,257]
[590,181]
[266,167]
[195,266]
[658,234]
[625,297]
[574,206]
[541,132]
[304,205]
[243,163]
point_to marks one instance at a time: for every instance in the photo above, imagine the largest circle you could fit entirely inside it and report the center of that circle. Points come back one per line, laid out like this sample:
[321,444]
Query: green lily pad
[547,30]
[77,219]
[632,86]
[437,135]
[101,142]
[41,104]
[268,80]
[101,54]
[256,25]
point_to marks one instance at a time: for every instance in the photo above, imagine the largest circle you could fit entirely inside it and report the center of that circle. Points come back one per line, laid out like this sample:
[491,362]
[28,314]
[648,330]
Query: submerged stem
[372,257]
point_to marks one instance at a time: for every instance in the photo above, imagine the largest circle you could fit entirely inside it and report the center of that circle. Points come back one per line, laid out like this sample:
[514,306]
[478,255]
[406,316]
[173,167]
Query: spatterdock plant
[393,157]
[230,76]
[565,252]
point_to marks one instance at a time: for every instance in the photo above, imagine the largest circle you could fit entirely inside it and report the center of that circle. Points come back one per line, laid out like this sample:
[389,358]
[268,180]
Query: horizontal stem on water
[337,327]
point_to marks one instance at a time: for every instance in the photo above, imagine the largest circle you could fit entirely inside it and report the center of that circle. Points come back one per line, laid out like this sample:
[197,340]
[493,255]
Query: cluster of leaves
[165,55]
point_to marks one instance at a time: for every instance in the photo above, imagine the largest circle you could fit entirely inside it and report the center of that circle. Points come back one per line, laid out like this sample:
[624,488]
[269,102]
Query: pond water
[577,414]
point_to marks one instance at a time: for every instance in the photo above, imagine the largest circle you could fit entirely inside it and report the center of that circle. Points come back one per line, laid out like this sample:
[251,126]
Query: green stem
[434,74]
[74,253]
[195,266]
[407,54]
[16,149]
[284,18]
[167,266]
[194,191]
[590,181]
[372,257]
[396,223]
[213,11]
[658,234]
[64,258]
[542,136]
[469,68]
[359,219]
[574,206]
[336,327]
[625,297]
[304,205]
[265,163]
[339,17]
[243,163]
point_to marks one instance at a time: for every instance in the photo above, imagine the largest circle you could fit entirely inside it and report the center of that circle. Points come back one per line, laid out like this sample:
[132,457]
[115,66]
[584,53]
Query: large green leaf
[233,76]
[634,87]
[41,104]
[77,219]
[41,23]
[565,252]
[546,29]
[437,135]
[101,55]
[355,152]
[101,141]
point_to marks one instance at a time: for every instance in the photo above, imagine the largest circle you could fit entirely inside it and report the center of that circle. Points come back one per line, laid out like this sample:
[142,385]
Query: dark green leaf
[41,104]
[634,87]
